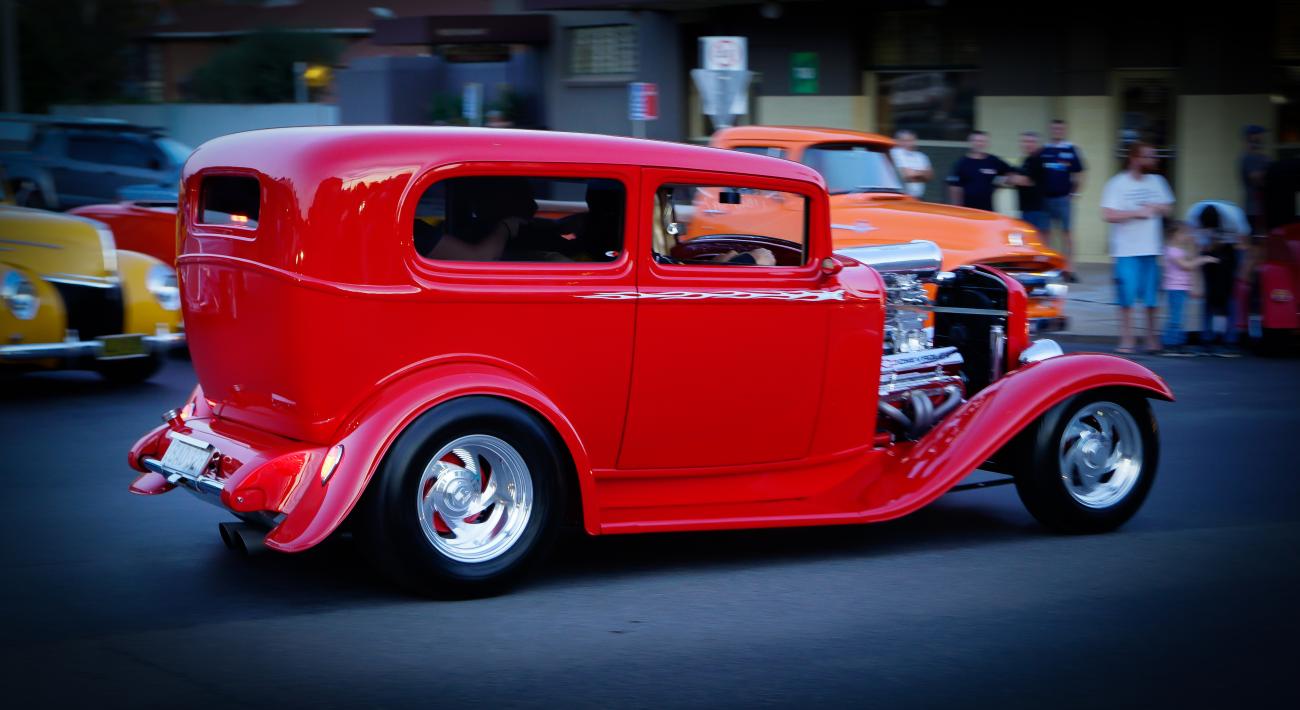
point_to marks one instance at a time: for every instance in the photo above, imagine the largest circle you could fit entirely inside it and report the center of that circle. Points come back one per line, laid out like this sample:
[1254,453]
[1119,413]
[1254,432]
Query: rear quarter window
[521,219]
[230,200]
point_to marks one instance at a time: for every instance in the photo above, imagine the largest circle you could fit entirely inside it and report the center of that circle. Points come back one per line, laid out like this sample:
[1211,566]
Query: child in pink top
[1182,265]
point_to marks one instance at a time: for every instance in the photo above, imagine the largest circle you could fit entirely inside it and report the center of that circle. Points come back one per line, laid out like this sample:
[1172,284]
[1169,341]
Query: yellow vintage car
[70,299]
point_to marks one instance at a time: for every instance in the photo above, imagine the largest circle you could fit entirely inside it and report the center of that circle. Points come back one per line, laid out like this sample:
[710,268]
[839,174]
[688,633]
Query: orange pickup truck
[869,206]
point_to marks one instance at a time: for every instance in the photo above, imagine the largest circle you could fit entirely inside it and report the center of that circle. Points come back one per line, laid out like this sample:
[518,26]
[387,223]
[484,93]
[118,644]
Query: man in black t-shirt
[1029,180]
[976,175]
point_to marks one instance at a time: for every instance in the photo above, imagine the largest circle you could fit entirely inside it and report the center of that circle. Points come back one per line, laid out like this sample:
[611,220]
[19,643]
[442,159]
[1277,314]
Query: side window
[230,200]
[511,218]
[130,153]
[770,151]
[731,226]
[88,148]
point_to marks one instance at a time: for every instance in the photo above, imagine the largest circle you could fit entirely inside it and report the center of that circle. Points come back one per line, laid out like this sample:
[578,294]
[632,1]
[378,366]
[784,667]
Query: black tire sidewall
[1038,478]
[391,520]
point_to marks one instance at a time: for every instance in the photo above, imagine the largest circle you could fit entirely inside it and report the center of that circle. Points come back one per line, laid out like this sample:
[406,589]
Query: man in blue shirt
[1064,171]
[977,174]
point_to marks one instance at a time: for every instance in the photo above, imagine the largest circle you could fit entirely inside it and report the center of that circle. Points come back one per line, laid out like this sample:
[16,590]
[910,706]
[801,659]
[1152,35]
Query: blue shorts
[1058,210]
[1137,278]
[1040,221]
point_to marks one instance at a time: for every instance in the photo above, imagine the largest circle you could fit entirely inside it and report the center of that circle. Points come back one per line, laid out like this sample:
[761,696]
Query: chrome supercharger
[937,349]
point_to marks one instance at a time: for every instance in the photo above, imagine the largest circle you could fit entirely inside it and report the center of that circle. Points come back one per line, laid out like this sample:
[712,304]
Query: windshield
[176,151]
[851,167]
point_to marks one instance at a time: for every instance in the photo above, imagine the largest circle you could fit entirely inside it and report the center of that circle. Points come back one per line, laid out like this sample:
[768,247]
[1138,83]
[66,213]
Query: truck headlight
[19,295]
[161,282]
[1045,284]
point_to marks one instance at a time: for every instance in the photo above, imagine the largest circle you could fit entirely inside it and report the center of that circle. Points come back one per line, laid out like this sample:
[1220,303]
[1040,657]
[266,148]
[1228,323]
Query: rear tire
[483,456]
[129,372]
[1087,465]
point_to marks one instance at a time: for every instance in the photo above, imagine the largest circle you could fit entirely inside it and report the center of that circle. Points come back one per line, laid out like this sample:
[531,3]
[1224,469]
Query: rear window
[509,218]
[233,200]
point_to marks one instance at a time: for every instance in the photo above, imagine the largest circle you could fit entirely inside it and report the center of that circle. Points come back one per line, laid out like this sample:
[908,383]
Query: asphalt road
[119,600]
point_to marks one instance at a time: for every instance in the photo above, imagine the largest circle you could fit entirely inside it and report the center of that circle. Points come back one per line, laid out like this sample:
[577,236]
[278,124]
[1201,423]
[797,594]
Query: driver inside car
[667,229]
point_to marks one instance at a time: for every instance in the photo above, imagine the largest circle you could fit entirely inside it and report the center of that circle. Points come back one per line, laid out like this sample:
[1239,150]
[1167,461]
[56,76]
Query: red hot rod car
[451,341]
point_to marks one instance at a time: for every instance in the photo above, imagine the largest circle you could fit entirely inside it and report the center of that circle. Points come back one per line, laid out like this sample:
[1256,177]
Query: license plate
[187,458]
[121,346]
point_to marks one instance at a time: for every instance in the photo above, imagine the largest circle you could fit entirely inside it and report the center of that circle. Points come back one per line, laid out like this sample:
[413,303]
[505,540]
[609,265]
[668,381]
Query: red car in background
[1274,299]
[451,341]
[146,227]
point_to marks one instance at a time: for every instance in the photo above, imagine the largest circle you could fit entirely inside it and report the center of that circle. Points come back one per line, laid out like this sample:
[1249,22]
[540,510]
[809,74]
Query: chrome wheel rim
[475,498]
[1101,454]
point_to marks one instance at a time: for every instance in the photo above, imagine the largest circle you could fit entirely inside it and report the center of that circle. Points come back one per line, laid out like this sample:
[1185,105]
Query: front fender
[378,422]
[143,313]
[918,474]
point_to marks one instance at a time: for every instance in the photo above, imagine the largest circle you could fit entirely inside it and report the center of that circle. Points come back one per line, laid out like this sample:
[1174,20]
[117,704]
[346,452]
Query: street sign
[723,94]
[724,53]
[642,101]
[803,73]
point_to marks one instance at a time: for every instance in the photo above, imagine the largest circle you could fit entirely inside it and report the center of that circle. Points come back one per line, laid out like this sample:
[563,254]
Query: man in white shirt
[913,165]
[1135,203]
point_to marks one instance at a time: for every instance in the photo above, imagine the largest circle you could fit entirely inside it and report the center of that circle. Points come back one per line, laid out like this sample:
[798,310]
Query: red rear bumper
[254,474]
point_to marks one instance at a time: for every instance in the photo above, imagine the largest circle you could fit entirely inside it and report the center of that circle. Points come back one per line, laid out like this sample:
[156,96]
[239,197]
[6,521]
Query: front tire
[1087,465]
[466,500]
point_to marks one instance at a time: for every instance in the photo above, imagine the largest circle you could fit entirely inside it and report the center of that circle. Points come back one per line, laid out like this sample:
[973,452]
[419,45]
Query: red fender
[915,475]
[1277,296]
[377,423]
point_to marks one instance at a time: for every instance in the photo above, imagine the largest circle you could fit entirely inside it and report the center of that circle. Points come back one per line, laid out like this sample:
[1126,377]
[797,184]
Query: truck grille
[92,310]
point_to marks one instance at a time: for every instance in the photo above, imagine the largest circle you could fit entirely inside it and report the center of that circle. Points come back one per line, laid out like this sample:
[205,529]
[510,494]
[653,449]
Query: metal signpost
[723,79]
[642,105]
[471,103]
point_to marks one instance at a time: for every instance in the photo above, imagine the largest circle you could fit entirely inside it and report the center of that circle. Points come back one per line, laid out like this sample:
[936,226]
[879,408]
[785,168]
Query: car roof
[327,150]
[94,124]
[801,134]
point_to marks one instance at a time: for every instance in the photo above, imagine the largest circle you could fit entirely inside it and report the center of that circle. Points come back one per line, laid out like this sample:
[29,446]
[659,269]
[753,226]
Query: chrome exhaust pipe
[244,538]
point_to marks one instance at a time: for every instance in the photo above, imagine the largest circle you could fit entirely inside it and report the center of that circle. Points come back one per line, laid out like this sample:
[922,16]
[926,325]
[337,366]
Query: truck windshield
[849,167]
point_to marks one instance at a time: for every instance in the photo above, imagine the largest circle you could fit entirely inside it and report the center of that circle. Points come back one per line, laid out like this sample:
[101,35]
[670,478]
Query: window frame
[817,211]
[506,272]
[194,206]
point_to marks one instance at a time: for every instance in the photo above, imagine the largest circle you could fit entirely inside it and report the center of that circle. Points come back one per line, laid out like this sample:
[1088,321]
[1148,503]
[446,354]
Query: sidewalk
[1094,317]
[1091,309]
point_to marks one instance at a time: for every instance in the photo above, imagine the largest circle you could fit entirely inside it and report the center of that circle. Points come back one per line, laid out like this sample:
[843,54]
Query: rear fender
[919,473]
[378,422]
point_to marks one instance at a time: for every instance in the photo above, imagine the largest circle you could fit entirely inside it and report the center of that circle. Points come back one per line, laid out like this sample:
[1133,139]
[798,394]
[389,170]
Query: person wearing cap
[1253,165]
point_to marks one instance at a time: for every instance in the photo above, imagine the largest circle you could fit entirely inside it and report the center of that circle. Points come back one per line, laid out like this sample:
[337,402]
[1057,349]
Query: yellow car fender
[142,310]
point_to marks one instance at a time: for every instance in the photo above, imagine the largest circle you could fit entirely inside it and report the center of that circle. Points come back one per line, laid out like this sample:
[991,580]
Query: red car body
[686,397]
[146,227]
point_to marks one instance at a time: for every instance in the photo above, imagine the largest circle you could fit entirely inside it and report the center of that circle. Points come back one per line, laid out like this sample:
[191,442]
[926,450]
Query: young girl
[1181,267]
